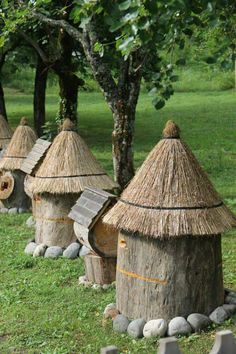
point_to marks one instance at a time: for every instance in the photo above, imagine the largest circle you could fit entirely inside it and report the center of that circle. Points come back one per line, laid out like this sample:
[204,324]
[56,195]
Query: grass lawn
[42,309]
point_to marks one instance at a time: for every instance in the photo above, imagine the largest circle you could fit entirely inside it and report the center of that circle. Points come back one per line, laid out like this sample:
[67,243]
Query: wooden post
[168,346]
[224,343]
[109,350]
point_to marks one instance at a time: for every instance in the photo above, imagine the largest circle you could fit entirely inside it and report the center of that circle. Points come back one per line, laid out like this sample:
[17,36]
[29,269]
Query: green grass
[42,309]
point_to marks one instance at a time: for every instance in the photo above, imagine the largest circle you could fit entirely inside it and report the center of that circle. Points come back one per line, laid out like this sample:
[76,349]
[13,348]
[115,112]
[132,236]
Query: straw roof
[20,145]
[170,195]
[69,166]
[5,133]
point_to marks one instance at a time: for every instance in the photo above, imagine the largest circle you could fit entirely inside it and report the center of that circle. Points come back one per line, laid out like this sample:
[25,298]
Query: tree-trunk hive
[169,249]
[100,264]
[57,182]
[12,194]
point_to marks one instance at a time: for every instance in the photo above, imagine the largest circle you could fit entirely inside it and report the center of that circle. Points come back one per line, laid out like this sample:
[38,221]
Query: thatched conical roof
[20,145]
[5,133]
[170,195]
[69,166]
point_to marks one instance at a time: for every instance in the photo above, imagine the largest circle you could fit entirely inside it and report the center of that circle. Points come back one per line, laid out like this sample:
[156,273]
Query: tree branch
[35,45]
[88,38]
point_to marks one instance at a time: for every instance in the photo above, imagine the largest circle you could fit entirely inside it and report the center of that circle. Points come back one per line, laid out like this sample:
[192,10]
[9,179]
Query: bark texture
[40,84]
[53,227]
[168,278]
[18,198]
[100,270]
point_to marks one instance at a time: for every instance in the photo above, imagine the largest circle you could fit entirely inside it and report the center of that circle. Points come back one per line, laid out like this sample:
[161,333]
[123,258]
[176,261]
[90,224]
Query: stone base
[158,327]
[54,252]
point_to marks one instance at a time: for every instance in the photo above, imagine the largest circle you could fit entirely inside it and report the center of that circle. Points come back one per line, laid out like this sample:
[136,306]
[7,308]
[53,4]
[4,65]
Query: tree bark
[121,97]
[3,111]
[69,85]
[40,85]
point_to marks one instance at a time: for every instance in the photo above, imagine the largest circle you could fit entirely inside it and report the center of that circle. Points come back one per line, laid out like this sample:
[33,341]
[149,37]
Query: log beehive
[169,251]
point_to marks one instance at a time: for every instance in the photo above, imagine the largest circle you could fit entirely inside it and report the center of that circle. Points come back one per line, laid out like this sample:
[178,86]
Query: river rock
[155,328]
[230,300]
[120,324]
[53,252]
[30,222]
[13,211]
[30,248]
[219,315]
[110,311]
[198,321]
[3,210]
[135,328]
[84,251]
[178,326]
[229,308]
[40,250]
[72,251]
[22,210]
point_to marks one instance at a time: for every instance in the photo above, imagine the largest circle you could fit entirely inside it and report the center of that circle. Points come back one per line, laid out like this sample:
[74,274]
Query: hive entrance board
[90,206]
[35,156]
[88,225]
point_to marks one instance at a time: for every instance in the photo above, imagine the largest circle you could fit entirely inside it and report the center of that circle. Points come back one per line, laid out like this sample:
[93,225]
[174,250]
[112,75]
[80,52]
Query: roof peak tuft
[171,130]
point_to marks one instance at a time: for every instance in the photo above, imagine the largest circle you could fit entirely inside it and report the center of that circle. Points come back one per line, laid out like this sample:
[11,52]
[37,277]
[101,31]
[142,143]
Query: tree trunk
[69,84]
[169,277]
[122,145]
[3,111]
[40,85]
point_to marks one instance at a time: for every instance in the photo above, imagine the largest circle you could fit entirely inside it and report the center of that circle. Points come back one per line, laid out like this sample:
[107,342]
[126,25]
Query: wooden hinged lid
[36,154]
[90,206]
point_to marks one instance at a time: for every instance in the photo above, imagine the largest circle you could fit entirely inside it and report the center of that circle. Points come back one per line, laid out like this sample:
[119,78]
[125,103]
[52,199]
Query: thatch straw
[69,167]
[5,133]
[20,145]
[171,196]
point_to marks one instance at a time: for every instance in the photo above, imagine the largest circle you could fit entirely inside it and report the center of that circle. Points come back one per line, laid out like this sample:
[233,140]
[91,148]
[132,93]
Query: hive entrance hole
[4,185]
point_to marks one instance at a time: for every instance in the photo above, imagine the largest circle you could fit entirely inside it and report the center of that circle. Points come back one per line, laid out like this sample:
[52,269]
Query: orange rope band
[140,277]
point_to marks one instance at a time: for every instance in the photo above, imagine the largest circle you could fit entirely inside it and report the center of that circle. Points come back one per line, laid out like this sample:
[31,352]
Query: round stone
[155,328]
[219,315]
[53,252]
[230,309]
[40,250]
[13,211]
[30,222]
[178,326]
[120,324]
[22,210]
[3,210]
[84,251]
[135,328]
[110,311]
[230,299]
[30,248]
[72,251]
[198,321]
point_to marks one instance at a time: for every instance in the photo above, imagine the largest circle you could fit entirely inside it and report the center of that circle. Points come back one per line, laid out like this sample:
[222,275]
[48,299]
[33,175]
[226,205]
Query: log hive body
[100,270]
[53,227]
[16,198]
[168,278]
[101,239]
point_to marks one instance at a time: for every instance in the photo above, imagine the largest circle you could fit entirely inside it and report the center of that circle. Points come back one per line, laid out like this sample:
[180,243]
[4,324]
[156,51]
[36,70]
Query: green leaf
[158,102]
[126,43]
[125,5]
[180,61]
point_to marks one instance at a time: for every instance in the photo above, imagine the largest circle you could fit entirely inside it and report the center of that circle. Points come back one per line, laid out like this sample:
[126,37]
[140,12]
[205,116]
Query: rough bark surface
[168,278]
[53,227]
[121,96]
[40,84]
[3,111]
[100,270]
[18,198]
